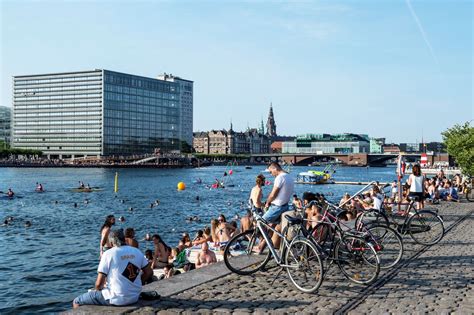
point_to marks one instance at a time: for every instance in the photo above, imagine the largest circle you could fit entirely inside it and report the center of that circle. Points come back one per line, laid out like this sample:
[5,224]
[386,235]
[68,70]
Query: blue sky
[392,69]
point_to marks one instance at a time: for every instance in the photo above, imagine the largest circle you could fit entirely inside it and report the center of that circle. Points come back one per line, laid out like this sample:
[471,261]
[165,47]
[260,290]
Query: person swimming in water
[27,224]
[39,187]
[10,193]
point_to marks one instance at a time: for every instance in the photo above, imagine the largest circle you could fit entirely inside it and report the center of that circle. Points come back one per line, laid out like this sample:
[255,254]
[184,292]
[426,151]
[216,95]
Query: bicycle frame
[263,227]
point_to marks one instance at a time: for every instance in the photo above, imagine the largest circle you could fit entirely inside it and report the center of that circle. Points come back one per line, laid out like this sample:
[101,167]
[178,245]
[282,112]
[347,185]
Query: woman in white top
[417,187]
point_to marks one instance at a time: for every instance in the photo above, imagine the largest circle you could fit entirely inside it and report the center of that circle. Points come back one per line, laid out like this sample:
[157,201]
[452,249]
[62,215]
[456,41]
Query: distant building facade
[376,145]
[436,147]
[391,148]
[186,106]
[97,113]
[5,124]
[327,144]
[410,147]
[231,142]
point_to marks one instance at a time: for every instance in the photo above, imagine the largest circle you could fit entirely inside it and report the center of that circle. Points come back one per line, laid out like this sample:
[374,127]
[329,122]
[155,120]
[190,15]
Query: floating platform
[356,183]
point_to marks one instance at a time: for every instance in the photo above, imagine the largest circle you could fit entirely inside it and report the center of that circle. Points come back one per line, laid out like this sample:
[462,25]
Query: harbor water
[48,264]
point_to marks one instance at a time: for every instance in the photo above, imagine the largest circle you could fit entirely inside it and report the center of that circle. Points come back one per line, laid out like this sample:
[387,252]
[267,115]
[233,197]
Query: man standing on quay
[125,268]
[278,200]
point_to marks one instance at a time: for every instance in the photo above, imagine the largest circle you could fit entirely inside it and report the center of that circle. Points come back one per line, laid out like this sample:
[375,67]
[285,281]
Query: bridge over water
[350,159]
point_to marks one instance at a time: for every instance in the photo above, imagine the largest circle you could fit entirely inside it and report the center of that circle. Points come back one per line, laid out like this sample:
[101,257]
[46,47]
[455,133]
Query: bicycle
[355,256]
[387,241]
[299,257]
[467,189]
[424,226]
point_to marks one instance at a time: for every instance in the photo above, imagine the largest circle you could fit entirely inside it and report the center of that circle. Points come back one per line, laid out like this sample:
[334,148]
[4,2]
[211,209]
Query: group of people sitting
[441,188]
[175,260]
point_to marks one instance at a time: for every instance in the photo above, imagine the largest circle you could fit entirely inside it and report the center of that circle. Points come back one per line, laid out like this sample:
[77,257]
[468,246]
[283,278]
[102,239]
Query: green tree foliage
[186,148]
[459,141]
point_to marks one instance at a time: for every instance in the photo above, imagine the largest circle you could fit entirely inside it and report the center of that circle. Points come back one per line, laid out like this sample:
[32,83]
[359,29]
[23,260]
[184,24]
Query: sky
[399,69]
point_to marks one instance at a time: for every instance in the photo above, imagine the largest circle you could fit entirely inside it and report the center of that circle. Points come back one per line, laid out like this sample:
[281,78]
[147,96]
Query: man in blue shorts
[278,200]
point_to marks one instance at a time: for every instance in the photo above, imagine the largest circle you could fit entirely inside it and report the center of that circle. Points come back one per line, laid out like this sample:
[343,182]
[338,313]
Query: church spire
[261,130]
[271,126]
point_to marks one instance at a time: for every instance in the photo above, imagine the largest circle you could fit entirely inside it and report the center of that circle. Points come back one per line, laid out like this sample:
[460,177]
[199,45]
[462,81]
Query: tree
[186,148]
[459,141]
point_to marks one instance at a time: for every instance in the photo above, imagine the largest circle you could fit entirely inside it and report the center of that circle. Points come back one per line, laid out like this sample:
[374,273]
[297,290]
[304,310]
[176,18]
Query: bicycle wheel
[469,193]
[426,227]
[239,254]
[304,266]
[357,259]
[387,243]
[372,217]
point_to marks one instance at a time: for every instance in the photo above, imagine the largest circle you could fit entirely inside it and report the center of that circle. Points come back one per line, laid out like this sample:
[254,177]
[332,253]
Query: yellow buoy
[116,182]
[181,186]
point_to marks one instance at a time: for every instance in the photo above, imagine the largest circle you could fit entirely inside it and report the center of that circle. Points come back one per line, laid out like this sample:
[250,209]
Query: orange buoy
[181,186]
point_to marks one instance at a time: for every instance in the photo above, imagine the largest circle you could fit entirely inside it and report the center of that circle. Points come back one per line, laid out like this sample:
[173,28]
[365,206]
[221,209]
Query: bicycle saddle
[414,198]
[293,220]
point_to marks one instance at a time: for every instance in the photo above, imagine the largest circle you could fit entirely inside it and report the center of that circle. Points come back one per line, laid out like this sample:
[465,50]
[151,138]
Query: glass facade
[5,124]
[140,114]
[186,103]
[93,113]
[59,114]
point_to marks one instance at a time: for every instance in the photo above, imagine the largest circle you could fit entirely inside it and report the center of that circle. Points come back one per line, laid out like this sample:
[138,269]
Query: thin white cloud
[422,31]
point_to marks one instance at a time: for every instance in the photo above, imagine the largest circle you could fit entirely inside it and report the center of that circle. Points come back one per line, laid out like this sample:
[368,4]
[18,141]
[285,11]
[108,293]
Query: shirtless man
[246,222]
[205,256]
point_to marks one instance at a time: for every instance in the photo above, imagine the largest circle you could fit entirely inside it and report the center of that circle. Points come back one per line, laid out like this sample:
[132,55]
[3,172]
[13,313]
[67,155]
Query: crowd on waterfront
[123,256]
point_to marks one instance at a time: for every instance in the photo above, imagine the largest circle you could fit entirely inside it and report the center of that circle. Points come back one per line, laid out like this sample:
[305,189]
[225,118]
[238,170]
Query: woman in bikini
[224,230]
[214,227]
[161,254]
[104,234]
[256,193]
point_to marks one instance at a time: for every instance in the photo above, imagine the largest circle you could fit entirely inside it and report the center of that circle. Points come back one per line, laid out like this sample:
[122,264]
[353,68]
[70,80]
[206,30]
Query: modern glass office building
[96,113]
[326,143]
[5,124]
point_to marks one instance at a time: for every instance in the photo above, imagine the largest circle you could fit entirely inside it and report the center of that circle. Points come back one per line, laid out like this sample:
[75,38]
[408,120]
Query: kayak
[92,189]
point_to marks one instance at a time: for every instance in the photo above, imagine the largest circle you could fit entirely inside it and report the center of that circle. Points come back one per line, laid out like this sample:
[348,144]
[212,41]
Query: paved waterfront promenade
[437,279]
